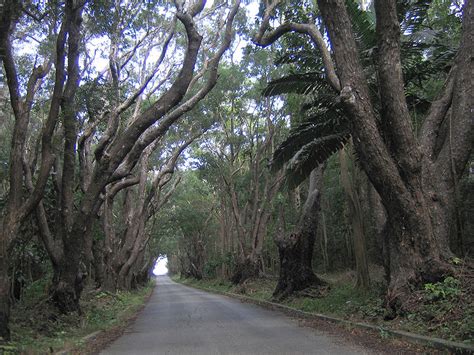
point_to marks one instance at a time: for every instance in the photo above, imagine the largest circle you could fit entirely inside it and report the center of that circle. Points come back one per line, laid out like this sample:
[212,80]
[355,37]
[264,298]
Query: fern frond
[322,126]
[363,23]
[297,83]
[313,154]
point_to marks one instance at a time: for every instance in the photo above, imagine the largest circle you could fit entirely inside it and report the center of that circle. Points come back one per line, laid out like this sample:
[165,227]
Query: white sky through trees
[161,266]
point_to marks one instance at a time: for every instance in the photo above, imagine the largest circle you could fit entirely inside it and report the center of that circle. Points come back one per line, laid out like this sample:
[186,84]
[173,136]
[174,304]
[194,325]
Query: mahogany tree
[66,78]
[415,175]
[124,242]
[233,158]
[105,155]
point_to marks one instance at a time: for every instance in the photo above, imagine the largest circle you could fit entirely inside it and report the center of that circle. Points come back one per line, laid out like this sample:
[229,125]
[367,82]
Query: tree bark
[66,288]
[356,221]
[296,249]
[389,155]
[98,263]
[252,218]
[18,206]
[67,280]
[4,296]
[121,155]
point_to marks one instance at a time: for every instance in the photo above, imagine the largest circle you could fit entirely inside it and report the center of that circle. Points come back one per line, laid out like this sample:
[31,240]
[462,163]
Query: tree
[356,220]
[188,226]
[296,249]
[235,157]
[415,176]
[18,208]
[124,242]
[118,148]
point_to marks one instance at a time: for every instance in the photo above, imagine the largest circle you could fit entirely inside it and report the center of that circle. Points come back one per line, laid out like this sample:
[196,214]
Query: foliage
[443,308]
[448,289]
[425,55]
[450,318]
[242,112]
[39,328]
[337,228]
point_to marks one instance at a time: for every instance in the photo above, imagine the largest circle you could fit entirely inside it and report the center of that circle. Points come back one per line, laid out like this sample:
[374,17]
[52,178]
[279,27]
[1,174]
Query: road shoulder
[375,338]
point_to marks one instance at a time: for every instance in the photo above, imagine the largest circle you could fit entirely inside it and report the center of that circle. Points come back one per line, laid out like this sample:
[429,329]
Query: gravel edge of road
[436,343]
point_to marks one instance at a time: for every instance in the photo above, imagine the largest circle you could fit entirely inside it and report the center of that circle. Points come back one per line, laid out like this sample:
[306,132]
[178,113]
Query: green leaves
[324,129]
[310,144]
[448,289]
[307,133]
[313,154]
[425,56]
[297,84]
[363,24]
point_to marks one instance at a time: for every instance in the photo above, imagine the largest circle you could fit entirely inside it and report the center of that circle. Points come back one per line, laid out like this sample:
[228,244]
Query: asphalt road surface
[182,320]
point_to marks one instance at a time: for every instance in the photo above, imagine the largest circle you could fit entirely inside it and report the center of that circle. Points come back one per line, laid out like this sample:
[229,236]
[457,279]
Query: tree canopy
[320,135]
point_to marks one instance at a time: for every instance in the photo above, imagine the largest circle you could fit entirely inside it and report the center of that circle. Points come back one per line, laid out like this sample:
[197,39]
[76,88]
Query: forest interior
[317,154]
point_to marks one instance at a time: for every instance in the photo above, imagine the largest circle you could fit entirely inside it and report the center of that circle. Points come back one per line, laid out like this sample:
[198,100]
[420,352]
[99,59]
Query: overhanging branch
[264,38]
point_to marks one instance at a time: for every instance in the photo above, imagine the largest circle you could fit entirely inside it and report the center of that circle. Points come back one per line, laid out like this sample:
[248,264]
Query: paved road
[182,320]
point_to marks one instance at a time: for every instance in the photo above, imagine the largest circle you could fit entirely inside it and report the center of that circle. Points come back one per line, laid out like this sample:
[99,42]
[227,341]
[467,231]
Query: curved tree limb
[265,38]
[173,115]
[114,116]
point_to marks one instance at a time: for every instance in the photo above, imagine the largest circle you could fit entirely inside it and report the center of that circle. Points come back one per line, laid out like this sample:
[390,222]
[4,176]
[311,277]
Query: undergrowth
[38,328]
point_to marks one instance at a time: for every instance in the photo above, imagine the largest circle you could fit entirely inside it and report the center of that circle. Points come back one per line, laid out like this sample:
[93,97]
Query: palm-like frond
[327,124]
[319,102]
[313,154]
[326,127]
[363,23]
[296,84]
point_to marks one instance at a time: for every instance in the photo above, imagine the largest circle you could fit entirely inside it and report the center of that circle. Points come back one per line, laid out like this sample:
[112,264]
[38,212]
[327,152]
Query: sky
[100,63]
[161,266]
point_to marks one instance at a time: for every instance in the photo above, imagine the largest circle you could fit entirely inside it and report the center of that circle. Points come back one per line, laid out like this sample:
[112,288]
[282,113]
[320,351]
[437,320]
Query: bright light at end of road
[161,266]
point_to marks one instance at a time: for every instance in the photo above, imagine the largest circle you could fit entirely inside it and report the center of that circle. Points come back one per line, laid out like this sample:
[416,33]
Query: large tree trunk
[116,154]
[143,268]
[390,154]
[4,294]
[127,263]
[98,263]
[296,249]
[247,268]
[251,265]
[67,286]
[77,234]
[71,271]
[67,282]
[138,209]
[253,214]
[69,277]
[18,206]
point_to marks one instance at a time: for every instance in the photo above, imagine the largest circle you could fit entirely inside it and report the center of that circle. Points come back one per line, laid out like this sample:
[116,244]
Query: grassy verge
[37,328]
[443,310]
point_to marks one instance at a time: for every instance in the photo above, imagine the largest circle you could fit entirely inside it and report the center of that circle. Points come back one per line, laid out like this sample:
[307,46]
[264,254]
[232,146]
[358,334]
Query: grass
[37,327]
[444,310]
[214,284]
[342,300]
